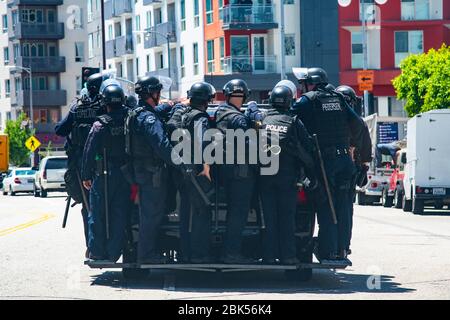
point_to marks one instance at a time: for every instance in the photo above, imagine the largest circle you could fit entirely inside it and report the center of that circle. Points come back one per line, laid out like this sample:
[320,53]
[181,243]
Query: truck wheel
[417,206]
[43,193]
[406,204]
[360,199]
[4,192]
[386,200]
[398,197]
[135,273]
[438,206]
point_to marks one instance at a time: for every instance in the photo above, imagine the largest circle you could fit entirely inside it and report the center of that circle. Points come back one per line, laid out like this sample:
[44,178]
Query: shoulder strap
[311,95]
[105,119]
[226,114]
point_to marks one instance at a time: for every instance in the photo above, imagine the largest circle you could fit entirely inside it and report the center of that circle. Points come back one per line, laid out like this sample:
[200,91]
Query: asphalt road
[396,255]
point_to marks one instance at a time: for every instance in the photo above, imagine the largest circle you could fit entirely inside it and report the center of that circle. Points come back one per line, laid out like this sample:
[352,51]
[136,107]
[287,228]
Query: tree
[18,133]
[425,81]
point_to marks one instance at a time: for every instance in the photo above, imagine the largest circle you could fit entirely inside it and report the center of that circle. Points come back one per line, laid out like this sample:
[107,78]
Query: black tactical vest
[175,121]
[85,114]
[330,119]
[114,138]
[135,144]
[223,116]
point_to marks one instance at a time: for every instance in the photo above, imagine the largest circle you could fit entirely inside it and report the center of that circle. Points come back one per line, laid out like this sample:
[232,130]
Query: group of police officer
[112,146]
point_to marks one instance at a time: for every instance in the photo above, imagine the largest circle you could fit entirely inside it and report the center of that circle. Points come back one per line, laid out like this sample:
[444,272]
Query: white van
[50,176]
[427,171]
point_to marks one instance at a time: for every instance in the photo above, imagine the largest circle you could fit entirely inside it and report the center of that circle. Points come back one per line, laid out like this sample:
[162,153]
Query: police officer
[238,179]
[326,114]
[278,192]
[361,157]
[103,157]
[197,214]
[75,126]
[150,151]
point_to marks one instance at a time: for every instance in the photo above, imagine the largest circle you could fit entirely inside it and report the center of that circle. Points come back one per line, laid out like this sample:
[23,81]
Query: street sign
[366,77]
[4,153]
[32,143]
[365,87]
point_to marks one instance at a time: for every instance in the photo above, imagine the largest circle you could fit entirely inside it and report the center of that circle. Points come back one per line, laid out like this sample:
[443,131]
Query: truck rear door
[438,148]
[56,168]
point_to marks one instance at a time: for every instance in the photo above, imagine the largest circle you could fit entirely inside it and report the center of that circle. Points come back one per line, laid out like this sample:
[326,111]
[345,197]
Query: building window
[149,19]
[183,73]
[79,51]
[357,50]
[6,55]
[209,12]
[91,45]
[137,67]
[7,88]
[195,55]
[289,44]
[78,84]
[148,63]
[138,23]
[210,55]
[196,14]
[239,46]
[110,32]
[183,15]
[221,9]
[5,23]
[289,1]
[370,8]
[222,54]
[406,43]
[415,9]
[159,61]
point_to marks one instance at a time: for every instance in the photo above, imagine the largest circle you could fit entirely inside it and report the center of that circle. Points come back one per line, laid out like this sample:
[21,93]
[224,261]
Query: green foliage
[425,81]
[19,155]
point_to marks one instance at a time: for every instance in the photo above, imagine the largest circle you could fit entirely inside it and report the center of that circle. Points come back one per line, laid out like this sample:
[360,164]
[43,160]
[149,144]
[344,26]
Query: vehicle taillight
[45,174]
[419,189]
[374,185]
[17,181]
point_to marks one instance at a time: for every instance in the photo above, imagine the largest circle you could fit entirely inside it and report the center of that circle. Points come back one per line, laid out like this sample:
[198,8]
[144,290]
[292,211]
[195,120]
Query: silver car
[18,180]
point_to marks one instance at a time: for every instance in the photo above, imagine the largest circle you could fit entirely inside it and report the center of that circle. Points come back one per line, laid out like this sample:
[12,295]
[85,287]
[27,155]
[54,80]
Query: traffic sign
[32,143]
[4,153]
[365,87]
[366,77]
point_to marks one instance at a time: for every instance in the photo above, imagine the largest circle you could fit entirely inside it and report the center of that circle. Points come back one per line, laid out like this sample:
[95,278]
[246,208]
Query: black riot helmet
[131,102]
[317,76]
[93,84]
[350,96]
[236,88]
[113,96]
[201,93]
[281,98]
[330,87]
[147,85]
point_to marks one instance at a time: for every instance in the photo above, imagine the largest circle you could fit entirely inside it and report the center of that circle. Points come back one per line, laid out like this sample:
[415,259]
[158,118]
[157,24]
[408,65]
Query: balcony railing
[24,30]
[43,64]
[165,73]
[155,37]
[115,8]
[250,64]
[147,2]
[236,17]
[34,3]
[119,46]
[48,98]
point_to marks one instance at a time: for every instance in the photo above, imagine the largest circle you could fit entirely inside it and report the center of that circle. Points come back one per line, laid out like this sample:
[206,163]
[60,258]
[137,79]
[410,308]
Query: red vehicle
[392,193]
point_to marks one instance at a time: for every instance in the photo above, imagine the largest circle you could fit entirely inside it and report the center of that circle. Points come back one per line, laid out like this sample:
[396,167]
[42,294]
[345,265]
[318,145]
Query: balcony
[237,17]
[155,37]
[115,8]
[250,64]
[119,46]
[148,2]
[165,73]
[43,64]
[45,98]
[50,31]
[12,3]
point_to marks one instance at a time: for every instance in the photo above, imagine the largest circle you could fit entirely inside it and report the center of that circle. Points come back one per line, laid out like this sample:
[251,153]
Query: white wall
[5,104]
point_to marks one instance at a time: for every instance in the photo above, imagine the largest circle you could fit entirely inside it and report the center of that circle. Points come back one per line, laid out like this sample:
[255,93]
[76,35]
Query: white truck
[427,171]
[383,130]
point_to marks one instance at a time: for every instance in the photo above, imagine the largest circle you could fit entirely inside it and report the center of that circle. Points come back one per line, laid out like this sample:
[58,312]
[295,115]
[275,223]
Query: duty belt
[335,151]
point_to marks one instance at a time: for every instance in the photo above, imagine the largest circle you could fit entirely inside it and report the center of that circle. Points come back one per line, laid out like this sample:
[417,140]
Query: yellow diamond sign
[32,143]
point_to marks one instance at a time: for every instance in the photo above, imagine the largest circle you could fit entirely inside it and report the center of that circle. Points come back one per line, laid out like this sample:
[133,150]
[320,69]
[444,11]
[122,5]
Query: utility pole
[365,58]
[102,9]
[282,44]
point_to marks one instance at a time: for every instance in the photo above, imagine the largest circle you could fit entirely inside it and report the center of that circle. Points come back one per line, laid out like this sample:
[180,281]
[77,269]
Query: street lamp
[29,71]
[346,3]
[167,36]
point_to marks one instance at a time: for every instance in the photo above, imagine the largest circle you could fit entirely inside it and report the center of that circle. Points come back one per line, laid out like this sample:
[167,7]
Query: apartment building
[48,38]
[396,29]
[5,84]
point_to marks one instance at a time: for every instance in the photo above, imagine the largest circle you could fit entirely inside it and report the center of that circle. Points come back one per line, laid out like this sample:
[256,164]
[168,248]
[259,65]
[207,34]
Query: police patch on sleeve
[150,119]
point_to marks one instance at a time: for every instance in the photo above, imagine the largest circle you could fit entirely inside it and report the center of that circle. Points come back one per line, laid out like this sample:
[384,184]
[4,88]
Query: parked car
[50,176]
[427,171]
[392,194]
[2,176]
[18,180]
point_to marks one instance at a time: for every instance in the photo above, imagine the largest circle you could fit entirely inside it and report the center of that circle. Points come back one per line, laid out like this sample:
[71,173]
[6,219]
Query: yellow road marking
[22,226]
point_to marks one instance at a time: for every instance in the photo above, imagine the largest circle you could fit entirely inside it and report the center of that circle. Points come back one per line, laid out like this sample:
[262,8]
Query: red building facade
[395,30]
